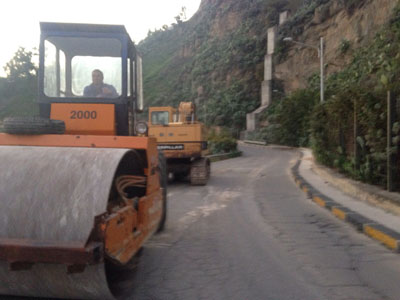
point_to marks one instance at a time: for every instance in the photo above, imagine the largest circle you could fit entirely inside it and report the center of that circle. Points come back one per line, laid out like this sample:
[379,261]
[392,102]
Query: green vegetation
[202,60]
[218,68]
[222,142]
[216,60]
[344,46]
[289,119]
[358,90]
[19,90]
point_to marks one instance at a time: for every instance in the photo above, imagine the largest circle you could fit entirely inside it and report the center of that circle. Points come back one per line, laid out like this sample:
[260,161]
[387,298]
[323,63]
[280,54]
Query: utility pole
[321,53]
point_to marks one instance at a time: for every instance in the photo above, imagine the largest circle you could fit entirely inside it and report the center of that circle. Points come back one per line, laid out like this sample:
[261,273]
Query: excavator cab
[162,115]
[70,54]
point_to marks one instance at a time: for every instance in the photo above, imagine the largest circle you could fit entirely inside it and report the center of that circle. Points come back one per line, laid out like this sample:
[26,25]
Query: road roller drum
[51,198]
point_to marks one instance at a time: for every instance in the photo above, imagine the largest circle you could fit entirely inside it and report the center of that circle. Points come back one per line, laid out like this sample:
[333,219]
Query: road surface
[252,234]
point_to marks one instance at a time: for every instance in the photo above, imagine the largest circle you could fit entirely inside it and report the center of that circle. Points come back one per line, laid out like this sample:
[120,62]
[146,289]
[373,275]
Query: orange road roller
[79,192]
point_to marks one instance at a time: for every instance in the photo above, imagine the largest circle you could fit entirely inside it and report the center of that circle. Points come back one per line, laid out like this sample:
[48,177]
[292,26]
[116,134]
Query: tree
[19,89]
[21,65]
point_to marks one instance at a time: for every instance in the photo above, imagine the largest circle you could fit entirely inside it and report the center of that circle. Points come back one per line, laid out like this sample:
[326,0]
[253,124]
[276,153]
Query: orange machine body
[85,118]
[177,139]
[119,244]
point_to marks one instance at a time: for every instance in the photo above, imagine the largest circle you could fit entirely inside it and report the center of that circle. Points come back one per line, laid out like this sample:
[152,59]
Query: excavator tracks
[200,171]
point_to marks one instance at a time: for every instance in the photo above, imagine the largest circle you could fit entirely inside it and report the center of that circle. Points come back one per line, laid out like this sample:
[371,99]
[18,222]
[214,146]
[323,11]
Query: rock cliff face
[343,31]
[217,57]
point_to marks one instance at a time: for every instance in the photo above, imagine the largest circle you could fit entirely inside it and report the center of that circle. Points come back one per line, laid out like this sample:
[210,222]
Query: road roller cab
[78,201]
[70,55]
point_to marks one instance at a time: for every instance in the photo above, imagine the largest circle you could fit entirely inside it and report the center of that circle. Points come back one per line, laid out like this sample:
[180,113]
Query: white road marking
[219,201]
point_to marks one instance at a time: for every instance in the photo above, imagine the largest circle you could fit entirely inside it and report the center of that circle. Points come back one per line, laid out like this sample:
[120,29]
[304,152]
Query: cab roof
[80,27]
[73,45]
[49,27]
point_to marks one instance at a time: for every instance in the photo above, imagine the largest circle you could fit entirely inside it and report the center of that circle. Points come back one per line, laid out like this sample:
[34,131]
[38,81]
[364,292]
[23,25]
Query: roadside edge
[374,230]
[224,156]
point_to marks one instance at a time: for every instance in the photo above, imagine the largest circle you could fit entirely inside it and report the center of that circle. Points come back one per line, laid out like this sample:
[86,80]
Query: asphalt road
[252,234]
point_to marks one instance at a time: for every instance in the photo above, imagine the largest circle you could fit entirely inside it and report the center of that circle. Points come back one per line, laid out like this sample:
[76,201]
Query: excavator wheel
[200,171]
[163,184]
[33,125]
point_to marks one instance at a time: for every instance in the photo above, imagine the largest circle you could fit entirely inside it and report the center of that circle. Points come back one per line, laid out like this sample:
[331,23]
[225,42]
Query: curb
[254,142]
[224,156]
[376,231]
[386,236]
[370,194]
[263,144]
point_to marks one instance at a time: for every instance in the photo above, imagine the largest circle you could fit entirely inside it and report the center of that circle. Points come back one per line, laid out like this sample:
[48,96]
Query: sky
[19,21]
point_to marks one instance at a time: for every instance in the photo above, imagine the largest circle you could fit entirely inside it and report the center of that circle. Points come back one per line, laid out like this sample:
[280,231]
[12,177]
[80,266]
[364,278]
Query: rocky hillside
[216,58]
[345,25]
[350,129]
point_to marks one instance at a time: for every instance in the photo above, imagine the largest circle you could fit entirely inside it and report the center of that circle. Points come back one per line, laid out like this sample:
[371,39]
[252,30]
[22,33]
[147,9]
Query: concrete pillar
[283,16]
[272,34]
[251,122]
[268,67]
[266,86]
[266,93]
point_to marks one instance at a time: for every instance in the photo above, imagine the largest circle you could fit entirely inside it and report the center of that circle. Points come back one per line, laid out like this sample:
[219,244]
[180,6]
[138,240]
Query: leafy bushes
[228,106]
[360,91]
[355,96]
[289,119]
[222,142]
[18,98]
[19,90]
[344,46]
[333,139]
[199,55]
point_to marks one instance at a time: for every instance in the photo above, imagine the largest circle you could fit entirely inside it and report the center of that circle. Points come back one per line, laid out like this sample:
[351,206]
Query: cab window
[69,62]
[82,67]
[54,69]
[159,118]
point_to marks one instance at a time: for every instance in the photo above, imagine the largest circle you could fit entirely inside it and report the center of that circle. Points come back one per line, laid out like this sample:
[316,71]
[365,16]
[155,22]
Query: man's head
[97,77]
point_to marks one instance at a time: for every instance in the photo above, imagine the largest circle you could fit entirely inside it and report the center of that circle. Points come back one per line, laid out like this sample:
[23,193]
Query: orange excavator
[80,194]
[183,140]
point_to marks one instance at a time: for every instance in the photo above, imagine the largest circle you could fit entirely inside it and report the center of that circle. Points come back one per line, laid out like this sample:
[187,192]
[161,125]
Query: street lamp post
[320,50]
[321,54]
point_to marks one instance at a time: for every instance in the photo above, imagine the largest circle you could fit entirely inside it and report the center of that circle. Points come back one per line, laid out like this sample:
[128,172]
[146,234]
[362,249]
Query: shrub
[222,142]
[344,46]
[289,119]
